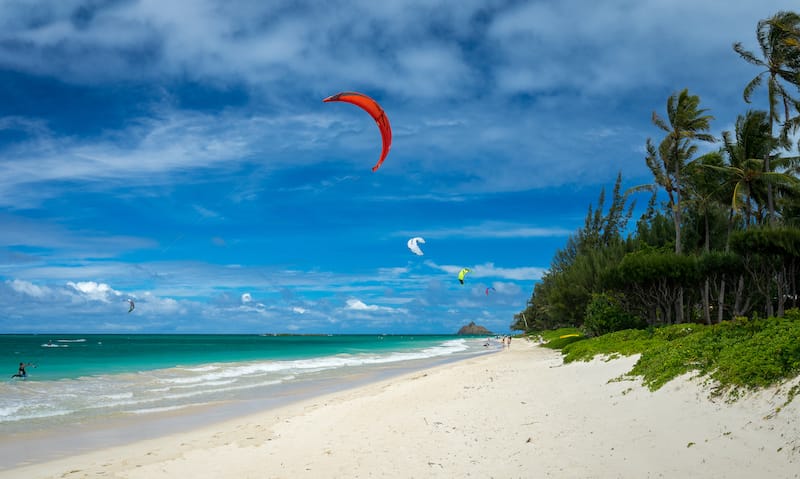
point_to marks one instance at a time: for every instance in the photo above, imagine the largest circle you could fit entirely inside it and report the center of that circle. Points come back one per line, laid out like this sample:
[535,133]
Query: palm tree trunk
[721,300]
[678,246]
[737,303]
[676,213]
[781,292]
[707,287]
[770,199]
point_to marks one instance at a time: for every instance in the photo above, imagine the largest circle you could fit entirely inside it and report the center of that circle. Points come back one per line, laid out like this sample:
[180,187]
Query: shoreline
[56,442]
[516,413]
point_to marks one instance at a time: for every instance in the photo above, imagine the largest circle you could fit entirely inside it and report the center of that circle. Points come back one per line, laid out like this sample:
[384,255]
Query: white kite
[413,245]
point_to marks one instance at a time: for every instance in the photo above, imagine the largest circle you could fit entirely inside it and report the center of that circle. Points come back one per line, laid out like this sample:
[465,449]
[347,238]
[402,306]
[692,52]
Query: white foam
[180,387]
[127,395]
[221,371]
[42,415]
[9,410]
[153,410]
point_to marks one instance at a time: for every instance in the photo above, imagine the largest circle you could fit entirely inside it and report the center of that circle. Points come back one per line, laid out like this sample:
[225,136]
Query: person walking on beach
[21,373]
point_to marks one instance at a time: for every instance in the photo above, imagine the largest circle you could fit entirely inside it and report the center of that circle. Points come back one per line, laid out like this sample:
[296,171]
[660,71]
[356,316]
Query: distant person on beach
[21,373]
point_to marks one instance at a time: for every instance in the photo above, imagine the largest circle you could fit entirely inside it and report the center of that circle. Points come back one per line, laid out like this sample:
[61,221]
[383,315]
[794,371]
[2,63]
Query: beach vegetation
[553,334]
[706,280]
[605,314]
[734,356]
[719,237]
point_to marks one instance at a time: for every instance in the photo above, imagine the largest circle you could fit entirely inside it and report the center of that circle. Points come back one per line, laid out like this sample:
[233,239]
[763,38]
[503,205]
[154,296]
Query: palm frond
[747,56]
[751,86]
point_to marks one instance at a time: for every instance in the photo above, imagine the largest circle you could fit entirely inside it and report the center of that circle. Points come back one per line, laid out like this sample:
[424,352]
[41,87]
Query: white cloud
[494,229]
[526,273]
[510,288]
[299,310]
[359,305]
[29,288]
[489,270]
[152,305]
[94,291]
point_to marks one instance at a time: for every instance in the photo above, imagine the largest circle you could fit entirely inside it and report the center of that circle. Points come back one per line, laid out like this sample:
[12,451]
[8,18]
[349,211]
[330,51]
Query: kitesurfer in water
[21,373]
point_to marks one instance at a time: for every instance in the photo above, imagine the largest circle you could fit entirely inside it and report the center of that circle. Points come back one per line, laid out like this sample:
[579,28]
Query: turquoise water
[89,379]
[75,356]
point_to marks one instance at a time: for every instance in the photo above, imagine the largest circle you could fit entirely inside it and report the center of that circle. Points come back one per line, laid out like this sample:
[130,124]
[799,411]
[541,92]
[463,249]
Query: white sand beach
[519,413]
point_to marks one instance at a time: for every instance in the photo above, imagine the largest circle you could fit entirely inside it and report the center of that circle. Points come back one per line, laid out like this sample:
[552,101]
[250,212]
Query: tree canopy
[719,238]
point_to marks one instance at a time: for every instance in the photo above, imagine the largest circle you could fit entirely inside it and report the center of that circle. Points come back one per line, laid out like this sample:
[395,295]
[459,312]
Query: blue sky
[180,154]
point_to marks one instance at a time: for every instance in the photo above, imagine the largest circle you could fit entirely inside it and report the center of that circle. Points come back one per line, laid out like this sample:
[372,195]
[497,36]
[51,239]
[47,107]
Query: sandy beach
[519,413]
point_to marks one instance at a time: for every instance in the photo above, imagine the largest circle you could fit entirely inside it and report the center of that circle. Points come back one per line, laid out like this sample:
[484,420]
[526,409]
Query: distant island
[473,329]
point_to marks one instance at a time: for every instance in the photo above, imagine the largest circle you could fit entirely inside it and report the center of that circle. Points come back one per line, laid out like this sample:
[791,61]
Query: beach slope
[519,413]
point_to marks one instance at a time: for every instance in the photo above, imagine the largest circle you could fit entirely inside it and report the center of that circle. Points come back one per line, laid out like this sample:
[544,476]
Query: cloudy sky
[179,153]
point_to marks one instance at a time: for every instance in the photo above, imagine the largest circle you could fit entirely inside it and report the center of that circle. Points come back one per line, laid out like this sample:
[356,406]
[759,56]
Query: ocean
[84,382]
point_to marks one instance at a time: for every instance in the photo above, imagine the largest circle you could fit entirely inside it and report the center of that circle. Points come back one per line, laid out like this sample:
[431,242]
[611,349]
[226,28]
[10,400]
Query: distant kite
[461,275]
[413,245]
[489,288]
[377,113]
[132,306]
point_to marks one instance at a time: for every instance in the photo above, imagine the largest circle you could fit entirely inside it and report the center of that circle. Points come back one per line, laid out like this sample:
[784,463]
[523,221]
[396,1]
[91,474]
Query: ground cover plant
[737,355]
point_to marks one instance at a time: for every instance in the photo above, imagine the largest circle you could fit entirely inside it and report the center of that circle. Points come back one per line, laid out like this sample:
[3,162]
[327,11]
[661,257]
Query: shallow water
[94,391]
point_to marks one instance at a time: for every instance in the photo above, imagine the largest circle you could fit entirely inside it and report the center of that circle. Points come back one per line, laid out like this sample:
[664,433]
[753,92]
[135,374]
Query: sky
[179,153]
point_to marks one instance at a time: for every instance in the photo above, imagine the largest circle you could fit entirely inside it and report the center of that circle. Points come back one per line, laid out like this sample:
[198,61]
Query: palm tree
[776,36]
[704,188]
[787,32]
[685,124]
[746,175]
[745,169]
[753,143]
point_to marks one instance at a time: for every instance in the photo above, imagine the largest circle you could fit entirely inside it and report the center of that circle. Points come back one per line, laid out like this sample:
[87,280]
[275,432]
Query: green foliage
[561,337]
[654,229]
[669,358]
[675,265]
[557,333]
[649,267]
[718,263]
[560,298]
[784,242]
[675,331]
[765,358]
[652,281]
[560,343]
[625,343]
[604,314]
[744,353]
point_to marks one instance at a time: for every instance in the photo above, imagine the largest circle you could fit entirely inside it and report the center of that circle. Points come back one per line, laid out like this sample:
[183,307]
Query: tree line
[720,237]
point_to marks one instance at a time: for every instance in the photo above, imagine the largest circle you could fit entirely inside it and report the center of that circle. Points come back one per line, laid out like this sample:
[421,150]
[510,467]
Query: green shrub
[605,315]
[766,357]
[743,353]
[626,343]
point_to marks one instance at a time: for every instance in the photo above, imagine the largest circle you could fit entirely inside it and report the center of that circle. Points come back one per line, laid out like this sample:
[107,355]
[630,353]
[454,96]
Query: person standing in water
[21,373]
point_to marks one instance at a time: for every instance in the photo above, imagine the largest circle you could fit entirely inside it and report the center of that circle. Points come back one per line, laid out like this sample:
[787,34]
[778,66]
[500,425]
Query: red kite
[377,113]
